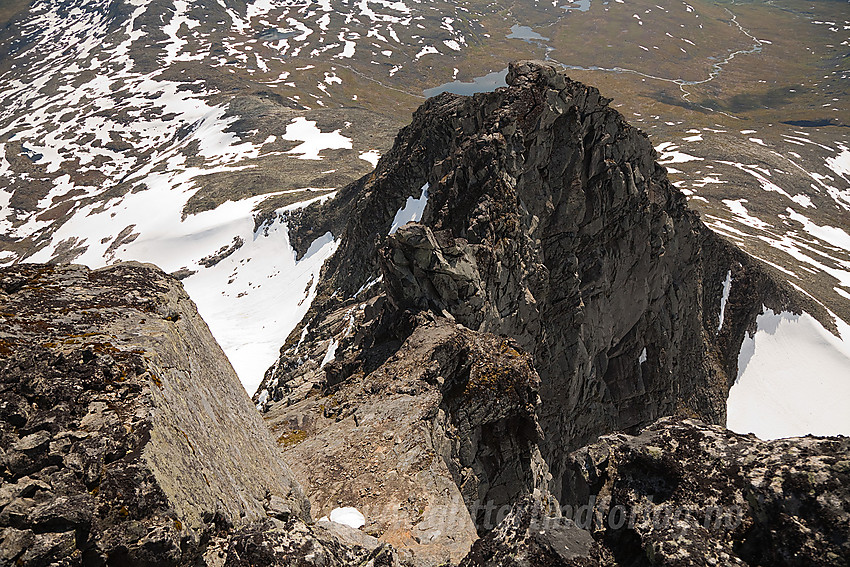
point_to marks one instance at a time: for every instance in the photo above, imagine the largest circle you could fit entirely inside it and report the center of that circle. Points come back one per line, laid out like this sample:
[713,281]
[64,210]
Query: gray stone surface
[125,435]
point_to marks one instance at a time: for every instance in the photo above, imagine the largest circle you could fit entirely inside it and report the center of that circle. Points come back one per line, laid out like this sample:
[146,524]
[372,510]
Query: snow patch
[411,211]
[742,215]
[727,287]
[428,49]
[803,201]
[793,379]
[347,515]
[330,354]
[834,236]
[372,156]
[314,140]
[840,164]
[670,154]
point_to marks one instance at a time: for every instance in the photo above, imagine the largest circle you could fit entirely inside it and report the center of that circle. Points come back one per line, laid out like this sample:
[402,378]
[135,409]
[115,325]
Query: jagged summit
[178,132]
[540,216]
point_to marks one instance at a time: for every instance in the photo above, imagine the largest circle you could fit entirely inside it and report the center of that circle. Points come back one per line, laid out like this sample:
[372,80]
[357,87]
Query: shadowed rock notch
[126,437]
[548,222]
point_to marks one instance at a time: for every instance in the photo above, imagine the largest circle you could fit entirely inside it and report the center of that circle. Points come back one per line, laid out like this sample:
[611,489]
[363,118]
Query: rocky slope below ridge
[436,433]
[127,439]
[548,221]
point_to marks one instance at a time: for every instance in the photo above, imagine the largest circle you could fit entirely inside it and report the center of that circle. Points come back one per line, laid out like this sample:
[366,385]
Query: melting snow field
[793,379]
[251,299]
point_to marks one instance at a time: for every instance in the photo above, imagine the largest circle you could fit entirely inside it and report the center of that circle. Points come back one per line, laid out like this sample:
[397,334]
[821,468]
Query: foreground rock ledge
[126,437]
[685,493]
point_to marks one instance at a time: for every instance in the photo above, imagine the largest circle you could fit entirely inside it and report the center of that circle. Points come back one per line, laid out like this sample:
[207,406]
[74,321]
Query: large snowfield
[793,379]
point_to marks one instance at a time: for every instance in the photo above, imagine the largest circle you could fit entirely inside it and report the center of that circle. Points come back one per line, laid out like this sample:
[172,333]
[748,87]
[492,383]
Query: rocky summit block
[683,493]
[546,220]
[126,438]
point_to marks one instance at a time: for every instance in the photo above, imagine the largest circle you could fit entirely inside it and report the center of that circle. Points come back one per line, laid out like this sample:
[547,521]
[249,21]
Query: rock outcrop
[685,493]
[126,437]
[428,433]
[549,222]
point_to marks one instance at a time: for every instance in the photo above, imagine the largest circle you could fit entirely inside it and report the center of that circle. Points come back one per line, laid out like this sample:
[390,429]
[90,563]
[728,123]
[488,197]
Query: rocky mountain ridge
[169,131]
[548,221]
[553,288]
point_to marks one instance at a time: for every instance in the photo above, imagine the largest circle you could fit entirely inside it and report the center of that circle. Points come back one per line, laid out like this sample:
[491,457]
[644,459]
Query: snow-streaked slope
[793,379]
[116,142]
[253,298]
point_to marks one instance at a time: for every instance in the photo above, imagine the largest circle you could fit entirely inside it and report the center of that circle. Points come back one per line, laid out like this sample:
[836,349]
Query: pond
[580,5]
[525,33]
[484,84]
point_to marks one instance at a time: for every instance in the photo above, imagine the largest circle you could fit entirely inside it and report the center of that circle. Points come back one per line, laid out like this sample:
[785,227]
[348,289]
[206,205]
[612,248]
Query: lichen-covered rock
[278,543]
[685,493]
[530,536]
[125,435]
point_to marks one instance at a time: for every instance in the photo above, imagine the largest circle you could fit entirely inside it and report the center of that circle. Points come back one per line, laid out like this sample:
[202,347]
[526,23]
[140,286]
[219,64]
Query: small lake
[580,5]
[525,33]
[814,123]
[486,84]
[277,34]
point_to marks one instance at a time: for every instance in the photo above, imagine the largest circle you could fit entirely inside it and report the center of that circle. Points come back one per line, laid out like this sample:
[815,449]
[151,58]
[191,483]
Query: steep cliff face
[125,436]
[548,221]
